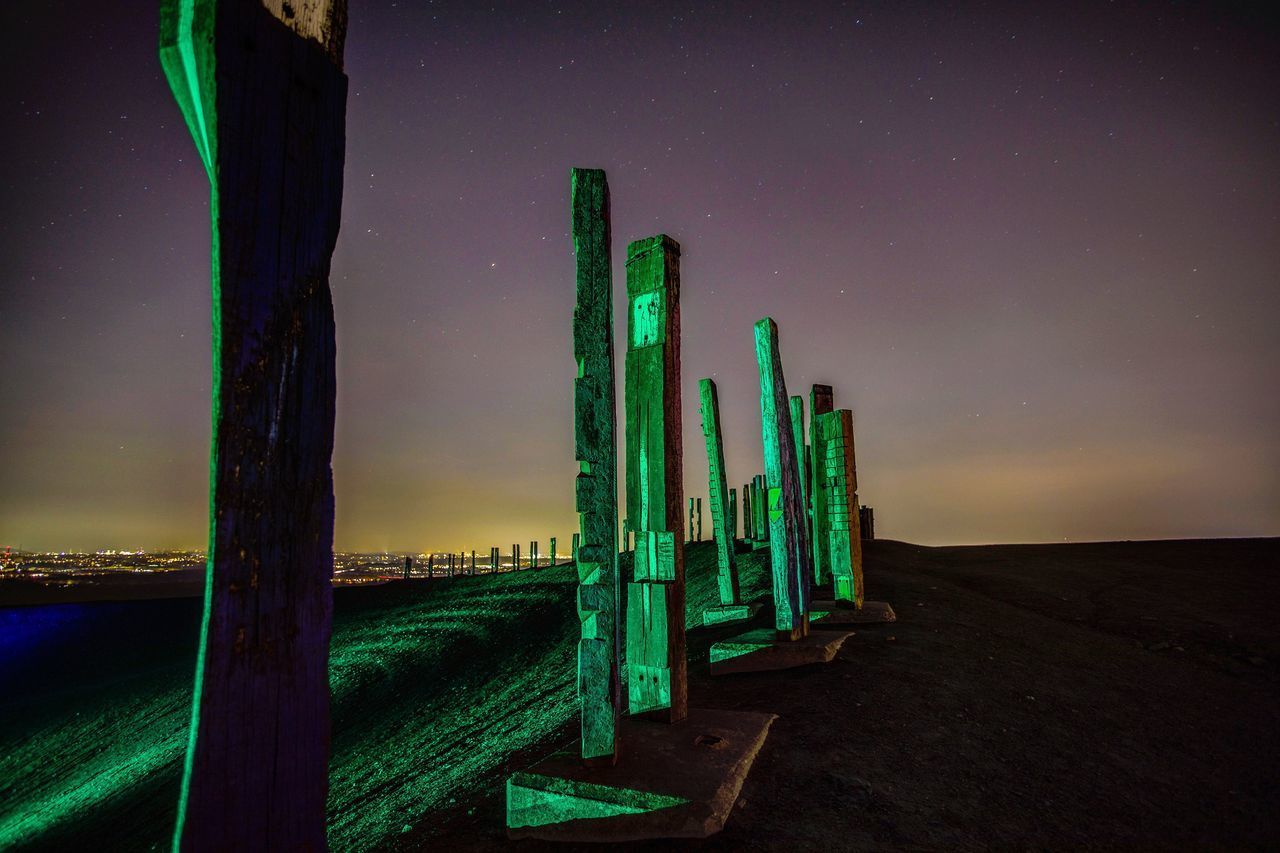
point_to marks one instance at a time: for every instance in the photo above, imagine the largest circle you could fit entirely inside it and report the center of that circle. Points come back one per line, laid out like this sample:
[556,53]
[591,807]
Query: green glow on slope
[435,687]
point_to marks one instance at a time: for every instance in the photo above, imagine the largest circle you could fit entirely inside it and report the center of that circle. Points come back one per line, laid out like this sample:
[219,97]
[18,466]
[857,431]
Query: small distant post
[690,519]
[431,565]
[553,552]
[748,516]
[820,403]
[575,545]
[533,554]
[802,470]
[733,516]
[721,521]
[699,539]
[473,563]
[655,601]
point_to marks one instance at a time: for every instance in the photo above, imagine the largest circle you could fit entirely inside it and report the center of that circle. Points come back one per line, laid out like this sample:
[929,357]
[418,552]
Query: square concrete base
[760,650]
[670,781]
[844,613]
[726,613]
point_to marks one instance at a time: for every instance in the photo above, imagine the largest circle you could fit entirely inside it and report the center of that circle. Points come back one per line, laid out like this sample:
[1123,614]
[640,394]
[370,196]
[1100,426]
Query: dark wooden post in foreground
[656,665]
[595,547]
[262,90]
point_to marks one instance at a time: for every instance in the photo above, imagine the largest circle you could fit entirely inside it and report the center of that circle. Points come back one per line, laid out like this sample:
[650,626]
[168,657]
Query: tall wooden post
[721,521]
[690,519]
[792,576]
[802,473]
[264,96]
[655,601]
[733,518]
[840,522]
[748,515]
[595,549]
[821,401]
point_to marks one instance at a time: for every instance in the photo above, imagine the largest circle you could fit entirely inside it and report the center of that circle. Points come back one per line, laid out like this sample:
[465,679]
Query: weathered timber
[867,522]
[595,547]
[263,93]
[821,401]
[802,469]
[690,519]
[656,664]
[721,515]
[733,517]
[840,522]
[788,550]
[699,537]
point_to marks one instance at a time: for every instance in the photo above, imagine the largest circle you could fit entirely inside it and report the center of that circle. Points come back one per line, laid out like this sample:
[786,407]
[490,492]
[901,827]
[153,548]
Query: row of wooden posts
[456,564]
[803,507]
[263,94]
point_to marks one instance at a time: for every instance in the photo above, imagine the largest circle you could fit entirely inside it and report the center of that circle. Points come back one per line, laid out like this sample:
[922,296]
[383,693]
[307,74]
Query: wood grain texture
[271,106]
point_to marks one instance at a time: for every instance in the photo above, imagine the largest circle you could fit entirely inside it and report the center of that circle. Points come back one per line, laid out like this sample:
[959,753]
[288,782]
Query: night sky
[1037,252]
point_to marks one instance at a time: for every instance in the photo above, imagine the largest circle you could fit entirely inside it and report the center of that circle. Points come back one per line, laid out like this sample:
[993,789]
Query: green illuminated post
[553,552]
[748,516]
[820,403]
[839,521]
[263,93]
[788,550]
[733,517]
[699,538]
[596,491]
[802,471]
[721,522]
[573,554]
[655,601]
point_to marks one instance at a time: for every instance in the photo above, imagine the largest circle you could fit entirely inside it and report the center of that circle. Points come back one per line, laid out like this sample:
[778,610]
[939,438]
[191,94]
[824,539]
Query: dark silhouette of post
[655,601]
[408,566]
[264,95]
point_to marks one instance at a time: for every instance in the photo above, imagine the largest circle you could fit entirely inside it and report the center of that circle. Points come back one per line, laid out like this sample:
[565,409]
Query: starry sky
[1033,247]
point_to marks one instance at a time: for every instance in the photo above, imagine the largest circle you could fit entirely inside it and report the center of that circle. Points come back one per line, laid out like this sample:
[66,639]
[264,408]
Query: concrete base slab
[670,781]
[760,650]
[844,613]
[729,613]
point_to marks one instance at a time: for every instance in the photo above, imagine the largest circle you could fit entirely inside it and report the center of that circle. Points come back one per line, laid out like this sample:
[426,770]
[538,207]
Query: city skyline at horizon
[1034,255]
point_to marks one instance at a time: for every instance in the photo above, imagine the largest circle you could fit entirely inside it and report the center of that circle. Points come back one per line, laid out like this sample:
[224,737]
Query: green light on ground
[534,800]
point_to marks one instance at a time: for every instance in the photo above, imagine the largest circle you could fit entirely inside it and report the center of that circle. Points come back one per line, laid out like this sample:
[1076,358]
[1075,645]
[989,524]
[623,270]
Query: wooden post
[802,468]
[733,517]
[721,524]
[263,93]
[821,401]
[841,521]
[792,575]
[595,547]
[655,601]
